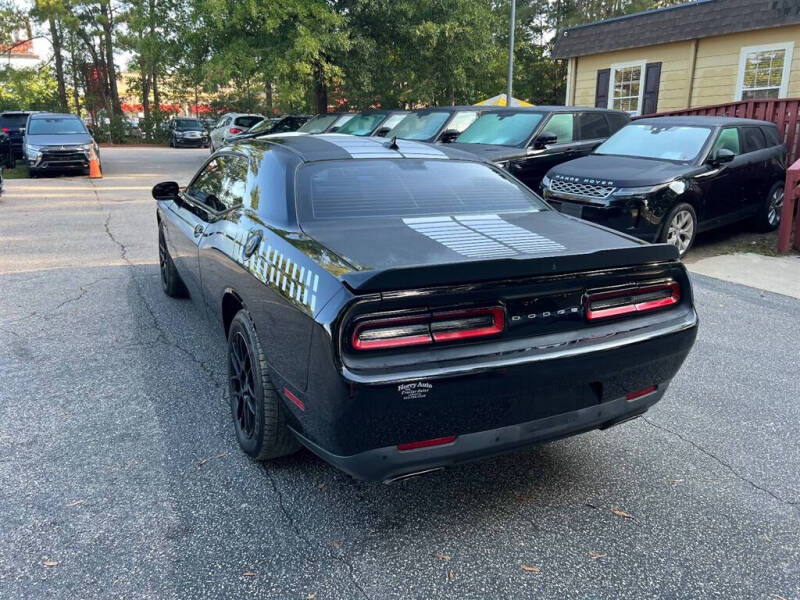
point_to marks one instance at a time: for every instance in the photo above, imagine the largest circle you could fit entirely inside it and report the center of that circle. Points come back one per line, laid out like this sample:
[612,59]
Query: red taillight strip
[445,336]
[427,443]
[411,340]
[295,400]
[633,306]
[496,312]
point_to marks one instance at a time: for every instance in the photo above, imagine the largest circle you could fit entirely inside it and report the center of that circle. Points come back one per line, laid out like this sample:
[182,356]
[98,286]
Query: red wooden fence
[785,113]
[791,197]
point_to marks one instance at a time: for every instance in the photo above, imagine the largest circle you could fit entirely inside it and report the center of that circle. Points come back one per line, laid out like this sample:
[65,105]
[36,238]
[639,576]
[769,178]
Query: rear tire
[768,216]
[680,228]
[259,416]
[171,282]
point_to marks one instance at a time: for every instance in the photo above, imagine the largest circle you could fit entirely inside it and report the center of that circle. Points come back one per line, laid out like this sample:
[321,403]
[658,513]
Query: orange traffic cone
[94,166]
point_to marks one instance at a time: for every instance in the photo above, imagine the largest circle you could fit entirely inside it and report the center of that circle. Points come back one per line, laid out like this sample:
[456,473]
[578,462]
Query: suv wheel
[680,228]
[259,416]
[768,216]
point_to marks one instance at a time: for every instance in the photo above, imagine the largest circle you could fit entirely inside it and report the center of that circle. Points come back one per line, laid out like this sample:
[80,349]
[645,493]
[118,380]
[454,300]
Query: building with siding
[692,54]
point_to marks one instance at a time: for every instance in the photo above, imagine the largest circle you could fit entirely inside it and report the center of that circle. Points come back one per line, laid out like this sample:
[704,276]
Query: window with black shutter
[601,91]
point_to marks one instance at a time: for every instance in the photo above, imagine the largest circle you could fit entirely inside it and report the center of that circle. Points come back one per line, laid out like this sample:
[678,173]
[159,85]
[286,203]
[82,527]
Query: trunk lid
[397,253]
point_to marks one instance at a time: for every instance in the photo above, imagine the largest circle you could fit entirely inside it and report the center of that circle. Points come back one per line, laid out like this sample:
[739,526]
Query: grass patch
[18,172]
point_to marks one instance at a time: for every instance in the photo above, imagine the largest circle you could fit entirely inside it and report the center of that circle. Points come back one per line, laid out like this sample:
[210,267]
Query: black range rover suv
[665,179]
[527,142]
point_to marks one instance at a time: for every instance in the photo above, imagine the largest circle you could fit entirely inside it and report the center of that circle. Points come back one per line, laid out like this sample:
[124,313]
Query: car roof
[50,115]
[551,108]
[700,121]
[336,146]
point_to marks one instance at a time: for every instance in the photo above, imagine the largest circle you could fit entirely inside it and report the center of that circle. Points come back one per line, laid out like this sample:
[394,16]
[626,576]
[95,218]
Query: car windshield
[347,189]
[644,140]
[502,129]
[247,122]
[264,126]
[419,126]
[188,125]
[318,124]
[362,124]
[56,126]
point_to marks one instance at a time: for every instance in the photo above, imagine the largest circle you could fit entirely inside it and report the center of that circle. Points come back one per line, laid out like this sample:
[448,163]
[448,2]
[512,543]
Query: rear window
[56,126]
[13,121]
[247,121]
[348,189]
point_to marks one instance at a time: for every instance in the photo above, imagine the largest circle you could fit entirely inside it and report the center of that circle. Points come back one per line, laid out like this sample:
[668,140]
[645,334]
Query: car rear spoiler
[507,268]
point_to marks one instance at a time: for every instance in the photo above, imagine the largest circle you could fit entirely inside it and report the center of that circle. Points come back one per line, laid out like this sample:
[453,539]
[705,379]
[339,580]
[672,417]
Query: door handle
[252,243]
[198,231]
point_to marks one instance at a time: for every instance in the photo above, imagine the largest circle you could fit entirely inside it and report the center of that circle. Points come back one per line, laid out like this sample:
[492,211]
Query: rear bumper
[389,463]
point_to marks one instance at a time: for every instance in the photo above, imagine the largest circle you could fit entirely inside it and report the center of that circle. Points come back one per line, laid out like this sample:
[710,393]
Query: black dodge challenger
[397,307]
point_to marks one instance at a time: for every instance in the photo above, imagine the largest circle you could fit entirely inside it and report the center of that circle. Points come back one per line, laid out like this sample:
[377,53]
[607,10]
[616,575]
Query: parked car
[373,122]
[185,131]
[529,141]
[666,179]
[272,125]
[6,151]
[12,122]
[440,124]
[56,141]
[326,123]
[231,124]
[484,321]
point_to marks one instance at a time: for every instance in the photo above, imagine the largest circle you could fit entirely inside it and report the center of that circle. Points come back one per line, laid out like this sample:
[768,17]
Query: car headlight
[545,182]
[639,191]
[32,149]
[179,134]
[85,147]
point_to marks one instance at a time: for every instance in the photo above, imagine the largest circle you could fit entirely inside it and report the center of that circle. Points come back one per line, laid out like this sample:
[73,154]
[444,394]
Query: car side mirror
[545,139]
[449,135]
[166,190]
[722,156]
[383,131]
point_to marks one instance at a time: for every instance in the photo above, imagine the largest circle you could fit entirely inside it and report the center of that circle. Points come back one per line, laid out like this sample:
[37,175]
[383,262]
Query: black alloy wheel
[259,416]
[243,401]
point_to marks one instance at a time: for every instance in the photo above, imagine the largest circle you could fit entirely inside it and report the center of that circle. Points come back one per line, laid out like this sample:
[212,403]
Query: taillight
[431,328]
[603,305]
[5,129]
[235,130]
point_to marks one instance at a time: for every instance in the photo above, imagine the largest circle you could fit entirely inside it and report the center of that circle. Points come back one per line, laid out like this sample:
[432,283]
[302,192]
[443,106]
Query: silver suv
[231,124]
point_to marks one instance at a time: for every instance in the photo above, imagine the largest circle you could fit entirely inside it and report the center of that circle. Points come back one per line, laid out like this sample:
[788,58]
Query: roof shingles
[692,20]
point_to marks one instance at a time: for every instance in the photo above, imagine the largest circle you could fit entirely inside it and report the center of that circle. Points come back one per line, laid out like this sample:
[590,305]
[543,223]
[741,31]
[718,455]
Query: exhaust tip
[411,475]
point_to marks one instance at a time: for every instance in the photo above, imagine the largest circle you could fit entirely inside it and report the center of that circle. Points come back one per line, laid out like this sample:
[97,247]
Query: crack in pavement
[721,462]
[302,536]
[161,335]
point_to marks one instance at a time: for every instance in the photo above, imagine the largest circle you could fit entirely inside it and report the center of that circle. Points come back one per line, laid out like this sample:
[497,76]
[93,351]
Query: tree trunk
[268,97]
[156,92]
[75,95]
[108,29]
[99,67]
[320,89]
[58,43]
[146,102]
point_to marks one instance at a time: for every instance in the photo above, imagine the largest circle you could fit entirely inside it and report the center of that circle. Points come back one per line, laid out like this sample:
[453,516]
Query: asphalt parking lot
[120,474]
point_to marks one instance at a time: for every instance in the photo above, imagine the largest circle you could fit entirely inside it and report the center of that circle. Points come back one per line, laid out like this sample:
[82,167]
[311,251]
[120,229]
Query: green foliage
[34,89]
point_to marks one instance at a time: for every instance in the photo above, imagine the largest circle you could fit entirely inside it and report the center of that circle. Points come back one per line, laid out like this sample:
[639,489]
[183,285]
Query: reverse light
[603,305]
[235,130]
[431,328]
[427,443]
